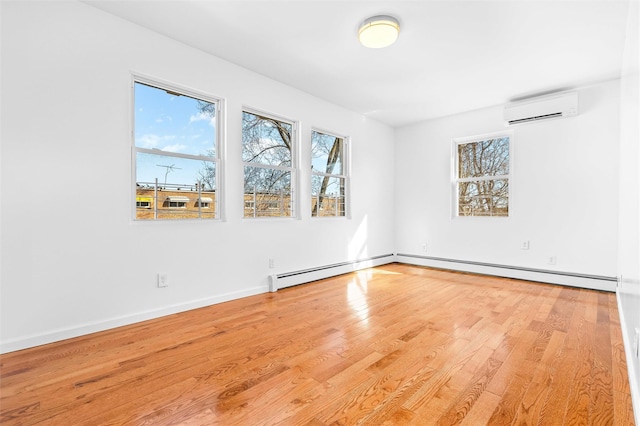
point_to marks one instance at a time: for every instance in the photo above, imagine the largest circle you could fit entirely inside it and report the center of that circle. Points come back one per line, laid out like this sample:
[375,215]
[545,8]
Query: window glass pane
[172,204]
[327,196]
[266,179]
[171,122]
[180,184]
[483,198]
[326,153]
[267,144]
[266,140]
[327,175]
[267,192]
[327,185]
[483,158]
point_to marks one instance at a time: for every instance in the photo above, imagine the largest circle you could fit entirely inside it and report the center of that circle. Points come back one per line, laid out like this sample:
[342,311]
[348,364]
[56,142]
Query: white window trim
[454,173]
[295,166]
[220,148]
[346,173]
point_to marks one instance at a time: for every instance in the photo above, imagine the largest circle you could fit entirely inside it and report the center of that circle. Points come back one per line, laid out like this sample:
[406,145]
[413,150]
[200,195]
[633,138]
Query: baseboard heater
[289,279]
[595,282]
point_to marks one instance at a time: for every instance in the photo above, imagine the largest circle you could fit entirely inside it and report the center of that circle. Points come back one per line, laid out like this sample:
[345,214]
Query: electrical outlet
[551,260]
[424,246]
[524,245]
[163,280]
[272,263]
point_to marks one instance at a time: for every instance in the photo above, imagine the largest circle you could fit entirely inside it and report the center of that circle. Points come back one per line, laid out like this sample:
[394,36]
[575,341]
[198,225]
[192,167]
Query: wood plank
[601,393]
[533,407]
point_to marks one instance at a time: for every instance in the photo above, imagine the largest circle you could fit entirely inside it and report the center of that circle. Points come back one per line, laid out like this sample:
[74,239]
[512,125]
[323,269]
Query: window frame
[219,146]
[293,169]
[455,180]
[346,166]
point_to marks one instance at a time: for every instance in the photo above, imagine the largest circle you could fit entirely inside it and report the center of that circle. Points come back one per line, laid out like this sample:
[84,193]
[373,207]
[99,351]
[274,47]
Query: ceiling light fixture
[379,31]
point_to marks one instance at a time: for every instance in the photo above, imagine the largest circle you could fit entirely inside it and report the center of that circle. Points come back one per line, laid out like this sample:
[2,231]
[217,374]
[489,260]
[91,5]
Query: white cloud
[174,148]
[203,116]
[153,141]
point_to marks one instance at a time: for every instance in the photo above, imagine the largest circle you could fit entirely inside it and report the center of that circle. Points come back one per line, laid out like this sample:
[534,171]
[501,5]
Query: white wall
[564,190]
[629,209]
[74,263]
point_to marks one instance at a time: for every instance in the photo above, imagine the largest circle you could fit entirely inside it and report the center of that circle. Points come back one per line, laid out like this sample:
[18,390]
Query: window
[482,167]
[205,202]
[143,202]
[268,154]
[177,202]
[176,152]
[328,176]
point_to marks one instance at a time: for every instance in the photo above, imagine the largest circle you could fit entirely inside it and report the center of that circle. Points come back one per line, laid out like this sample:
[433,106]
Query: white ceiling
[451,56]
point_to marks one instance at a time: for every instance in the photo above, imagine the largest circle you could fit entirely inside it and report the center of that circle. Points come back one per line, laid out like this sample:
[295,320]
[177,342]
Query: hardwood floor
[392,345]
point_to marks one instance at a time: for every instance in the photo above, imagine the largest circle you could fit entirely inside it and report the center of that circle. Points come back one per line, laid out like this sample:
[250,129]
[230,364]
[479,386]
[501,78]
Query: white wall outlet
[524,245]
[272,263]
[163,280]
[551,260]
[423,246]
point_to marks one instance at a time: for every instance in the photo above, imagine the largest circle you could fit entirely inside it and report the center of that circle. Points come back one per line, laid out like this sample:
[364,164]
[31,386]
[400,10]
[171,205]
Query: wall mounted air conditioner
[541,108]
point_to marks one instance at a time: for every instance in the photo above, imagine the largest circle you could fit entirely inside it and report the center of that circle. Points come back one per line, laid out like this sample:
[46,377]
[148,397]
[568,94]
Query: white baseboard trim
[84,329]
[289,279]
[633,375]
[595,282]
[283,280]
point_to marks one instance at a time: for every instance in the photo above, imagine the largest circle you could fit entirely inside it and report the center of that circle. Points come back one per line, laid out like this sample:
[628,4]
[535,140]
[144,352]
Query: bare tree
[483,165]
[266,141]
[332,148]
[207,174]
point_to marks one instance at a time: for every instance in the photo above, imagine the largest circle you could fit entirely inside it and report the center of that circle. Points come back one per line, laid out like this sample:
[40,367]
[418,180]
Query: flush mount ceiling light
[379,31]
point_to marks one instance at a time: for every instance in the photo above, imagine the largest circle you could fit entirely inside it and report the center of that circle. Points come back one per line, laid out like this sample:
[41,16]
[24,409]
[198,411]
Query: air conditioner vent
[538,117]
[541,108]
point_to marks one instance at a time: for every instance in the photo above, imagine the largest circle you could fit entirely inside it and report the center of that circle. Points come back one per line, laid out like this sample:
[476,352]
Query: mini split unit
[558,105]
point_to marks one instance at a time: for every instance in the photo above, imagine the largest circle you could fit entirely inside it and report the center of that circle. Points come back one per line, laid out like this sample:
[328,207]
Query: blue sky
[170,123]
